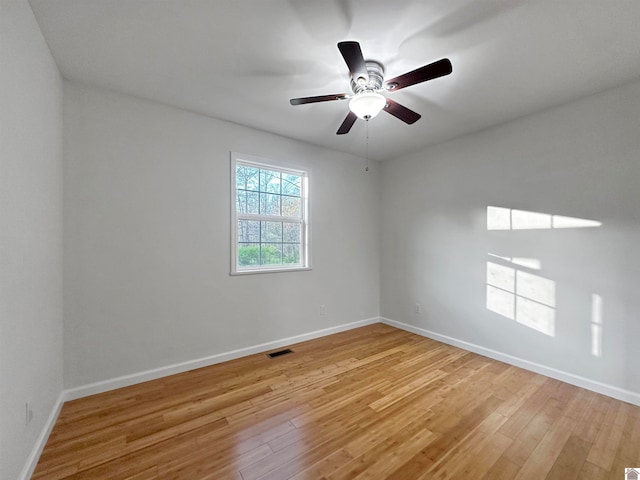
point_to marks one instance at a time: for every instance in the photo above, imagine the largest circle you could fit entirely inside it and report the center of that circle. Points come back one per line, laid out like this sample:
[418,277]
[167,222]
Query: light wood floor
[374,402]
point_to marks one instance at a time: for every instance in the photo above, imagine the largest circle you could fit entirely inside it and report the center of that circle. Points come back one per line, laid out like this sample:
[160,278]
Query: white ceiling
[242,60]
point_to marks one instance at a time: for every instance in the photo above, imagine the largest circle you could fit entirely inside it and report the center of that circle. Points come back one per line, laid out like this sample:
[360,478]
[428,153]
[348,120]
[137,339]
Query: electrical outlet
[418,308]
[323,310]
[28,410]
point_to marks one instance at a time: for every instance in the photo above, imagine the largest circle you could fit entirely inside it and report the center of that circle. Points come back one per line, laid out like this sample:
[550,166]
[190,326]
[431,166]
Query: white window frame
[305,247]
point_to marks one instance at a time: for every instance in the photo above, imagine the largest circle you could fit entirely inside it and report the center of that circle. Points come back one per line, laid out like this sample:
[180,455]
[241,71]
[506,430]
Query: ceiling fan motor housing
[375,70]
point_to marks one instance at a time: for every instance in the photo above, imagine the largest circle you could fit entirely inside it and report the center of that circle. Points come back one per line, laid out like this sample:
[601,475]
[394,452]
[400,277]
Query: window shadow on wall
[500,218]
[516,290]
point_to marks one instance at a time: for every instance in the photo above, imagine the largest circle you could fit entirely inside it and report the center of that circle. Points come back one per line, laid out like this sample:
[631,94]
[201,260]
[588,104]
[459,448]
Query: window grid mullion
[268,218]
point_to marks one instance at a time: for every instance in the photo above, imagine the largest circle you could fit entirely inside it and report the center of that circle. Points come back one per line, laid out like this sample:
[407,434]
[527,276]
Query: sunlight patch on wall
[596,325]
[501,285]
[521,296]
[558,221]
[500,218]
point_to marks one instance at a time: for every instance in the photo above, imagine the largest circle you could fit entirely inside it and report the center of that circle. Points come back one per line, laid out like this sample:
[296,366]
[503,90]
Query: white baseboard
[34,456]
[598,387]
[132,379]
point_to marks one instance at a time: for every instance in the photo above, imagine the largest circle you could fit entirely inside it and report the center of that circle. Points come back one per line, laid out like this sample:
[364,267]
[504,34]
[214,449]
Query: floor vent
[281,352]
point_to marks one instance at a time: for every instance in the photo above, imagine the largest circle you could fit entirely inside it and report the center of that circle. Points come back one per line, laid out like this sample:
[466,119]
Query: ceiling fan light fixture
[367,105]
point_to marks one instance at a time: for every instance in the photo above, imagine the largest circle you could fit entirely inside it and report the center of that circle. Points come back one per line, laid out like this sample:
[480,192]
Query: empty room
[338,239]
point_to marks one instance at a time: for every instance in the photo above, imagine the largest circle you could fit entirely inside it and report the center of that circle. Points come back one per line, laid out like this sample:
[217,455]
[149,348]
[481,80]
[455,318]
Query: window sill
[268,270]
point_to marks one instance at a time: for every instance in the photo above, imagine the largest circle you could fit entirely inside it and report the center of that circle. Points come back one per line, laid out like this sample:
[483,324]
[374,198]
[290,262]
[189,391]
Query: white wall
[579,160]
[147,239]
[30,234]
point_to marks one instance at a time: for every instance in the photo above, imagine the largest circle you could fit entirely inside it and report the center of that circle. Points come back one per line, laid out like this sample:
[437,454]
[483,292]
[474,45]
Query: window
[269,217]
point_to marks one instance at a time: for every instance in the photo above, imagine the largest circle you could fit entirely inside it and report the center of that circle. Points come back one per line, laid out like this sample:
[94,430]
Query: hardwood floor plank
[571,459]
[629,451]
[529,409]
[370,403]
[605,447]
[479,453]
[542,459]
[382,460]
[212,463]
[593,472]
[450,436]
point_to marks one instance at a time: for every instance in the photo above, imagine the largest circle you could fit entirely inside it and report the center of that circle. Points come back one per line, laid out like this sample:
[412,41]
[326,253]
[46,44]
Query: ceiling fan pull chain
[366,151]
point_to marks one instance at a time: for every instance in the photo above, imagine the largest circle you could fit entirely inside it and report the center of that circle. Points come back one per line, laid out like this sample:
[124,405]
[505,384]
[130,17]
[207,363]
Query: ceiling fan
[368,85]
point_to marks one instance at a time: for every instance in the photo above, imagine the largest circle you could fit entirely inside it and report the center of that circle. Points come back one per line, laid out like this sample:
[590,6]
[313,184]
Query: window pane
[271,253]
[241,201]
[291,232]
[247,202]
[248,231]
[253,202]
[269,181]
[272,232]
[291,254]
[248,254]
[291,184]
[269,204]
[247,178]
[291,206]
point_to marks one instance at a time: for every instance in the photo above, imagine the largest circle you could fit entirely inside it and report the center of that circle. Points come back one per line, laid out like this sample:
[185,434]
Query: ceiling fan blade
[400,111]
[347,124]
[428,72]
[320,98]
[355,61]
